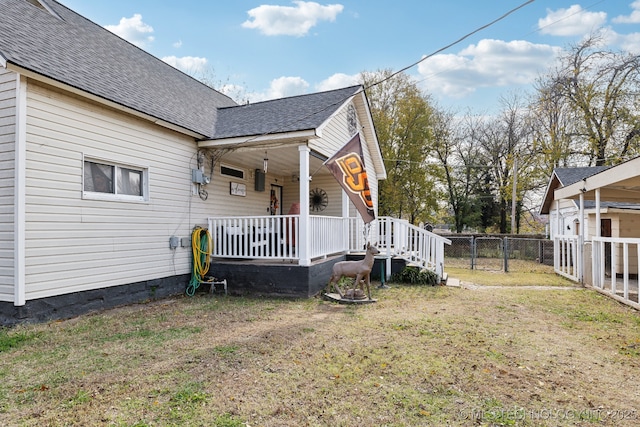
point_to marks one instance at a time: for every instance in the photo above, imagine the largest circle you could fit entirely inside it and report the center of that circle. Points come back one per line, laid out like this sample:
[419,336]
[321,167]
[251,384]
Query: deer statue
[358,269]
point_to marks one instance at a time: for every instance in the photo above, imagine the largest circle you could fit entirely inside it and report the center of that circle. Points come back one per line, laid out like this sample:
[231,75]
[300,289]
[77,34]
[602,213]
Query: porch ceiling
[617,184]
[284,159]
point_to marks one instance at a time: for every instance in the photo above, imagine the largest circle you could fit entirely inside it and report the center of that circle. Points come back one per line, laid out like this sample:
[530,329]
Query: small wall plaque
[237,189]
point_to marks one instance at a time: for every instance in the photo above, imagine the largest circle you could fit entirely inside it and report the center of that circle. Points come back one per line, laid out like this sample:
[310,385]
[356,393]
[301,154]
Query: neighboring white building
[605,254]
[564,215]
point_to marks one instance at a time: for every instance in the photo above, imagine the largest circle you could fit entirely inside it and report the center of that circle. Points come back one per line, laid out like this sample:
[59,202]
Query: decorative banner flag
[347,166]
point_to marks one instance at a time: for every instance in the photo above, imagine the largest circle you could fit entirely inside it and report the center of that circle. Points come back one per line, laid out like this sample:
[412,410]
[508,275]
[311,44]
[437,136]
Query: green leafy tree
[403,117]
[462,174]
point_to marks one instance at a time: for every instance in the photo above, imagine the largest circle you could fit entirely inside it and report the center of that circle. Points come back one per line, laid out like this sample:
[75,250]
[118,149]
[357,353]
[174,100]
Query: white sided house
[110,159]
[564,215]
[595,225]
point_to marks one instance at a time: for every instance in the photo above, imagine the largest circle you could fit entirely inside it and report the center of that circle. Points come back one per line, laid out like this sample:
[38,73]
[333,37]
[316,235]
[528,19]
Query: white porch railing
[329,235]
[275,237]
[567,256]
[418,246]
[261,237]
[620,260]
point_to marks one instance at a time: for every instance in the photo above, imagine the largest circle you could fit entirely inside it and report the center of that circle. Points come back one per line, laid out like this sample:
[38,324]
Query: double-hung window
[112,181]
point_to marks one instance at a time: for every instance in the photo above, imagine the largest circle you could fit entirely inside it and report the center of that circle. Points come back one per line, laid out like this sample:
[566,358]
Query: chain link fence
[493,253]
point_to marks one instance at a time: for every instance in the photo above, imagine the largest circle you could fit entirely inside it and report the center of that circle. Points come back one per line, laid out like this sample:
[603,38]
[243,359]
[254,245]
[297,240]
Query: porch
[275,255]
[607,264]
[604,249]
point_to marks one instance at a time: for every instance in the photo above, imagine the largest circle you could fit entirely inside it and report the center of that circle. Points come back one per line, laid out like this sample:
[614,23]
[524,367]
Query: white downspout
[304,245]
[19,223]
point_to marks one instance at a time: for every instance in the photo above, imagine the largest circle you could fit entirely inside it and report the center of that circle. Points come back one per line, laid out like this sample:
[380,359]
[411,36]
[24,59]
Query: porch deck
[277,256]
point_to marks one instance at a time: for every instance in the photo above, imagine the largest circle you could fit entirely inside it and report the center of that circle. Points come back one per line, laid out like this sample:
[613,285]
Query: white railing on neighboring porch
[275,237]
[621,280]
[567,256]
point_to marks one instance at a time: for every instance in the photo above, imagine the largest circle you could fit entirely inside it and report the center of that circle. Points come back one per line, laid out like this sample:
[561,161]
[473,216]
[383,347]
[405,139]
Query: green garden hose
[201,248]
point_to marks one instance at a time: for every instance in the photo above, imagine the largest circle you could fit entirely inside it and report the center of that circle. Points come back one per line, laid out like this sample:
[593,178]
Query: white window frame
[95,195]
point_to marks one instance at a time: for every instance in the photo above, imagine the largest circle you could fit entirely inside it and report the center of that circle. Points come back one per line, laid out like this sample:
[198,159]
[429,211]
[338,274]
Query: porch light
[265,162]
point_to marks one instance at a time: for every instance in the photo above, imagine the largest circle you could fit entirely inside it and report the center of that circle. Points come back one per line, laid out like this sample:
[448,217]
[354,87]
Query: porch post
[558,221]
[346,221]
[345,205]
[556,242]
[304,247]
[598,231]
[597,254]
[581,240]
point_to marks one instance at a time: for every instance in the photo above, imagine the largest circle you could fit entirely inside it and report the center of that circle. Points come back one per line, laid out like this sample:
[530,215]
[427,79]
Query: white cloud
[133,30]
[281,87]
[189,64]
[490,63]
[296,21]
[337,81]
[630,43]
[178,44]
[573,21]
[634,18]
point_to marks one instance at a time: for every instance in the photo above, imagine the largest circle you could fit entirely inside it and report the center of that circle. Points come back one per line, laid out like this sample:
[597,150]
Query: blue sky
[266,49]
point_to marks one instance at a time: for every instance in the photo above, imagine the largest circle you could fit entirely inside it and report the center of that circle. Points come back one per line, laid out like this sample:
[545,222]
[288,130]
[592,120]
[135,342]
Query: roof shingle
[568,176]
[296,113]
[70,49]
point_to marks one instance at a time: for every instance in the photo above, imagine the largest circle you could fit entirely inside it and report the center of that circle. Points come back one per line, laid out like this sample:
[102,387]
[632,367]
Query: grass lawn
[420,356]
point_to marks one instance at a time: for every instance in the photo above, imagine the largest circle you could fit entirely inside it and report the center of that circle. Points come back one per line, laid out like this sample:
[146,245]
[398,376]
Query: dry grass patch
[420,356]
[521,273]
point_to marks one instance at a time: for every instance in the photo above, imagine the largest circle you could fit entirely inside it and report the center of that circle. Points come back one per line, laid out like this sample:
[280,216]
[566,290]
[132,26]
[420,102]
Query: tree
[463,175]
[600,88]
[552,127]
[506,144]
[403,116]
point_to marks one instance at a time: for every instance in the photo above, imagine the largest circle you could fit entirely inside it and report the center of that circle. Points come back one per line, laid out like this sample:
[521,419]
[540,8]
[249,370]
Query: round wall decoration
[318,200]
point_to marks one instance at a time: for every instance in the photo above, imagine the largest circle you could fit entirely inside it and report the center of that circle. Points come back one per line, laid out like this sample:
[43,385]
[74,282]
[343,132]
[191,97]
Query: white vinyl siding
[225,204]
[75,244]
[7,190]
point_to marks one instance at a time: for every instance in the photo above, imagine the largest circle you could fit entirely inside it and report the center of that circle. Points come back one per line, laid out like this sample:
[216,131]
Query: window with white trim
[105,180]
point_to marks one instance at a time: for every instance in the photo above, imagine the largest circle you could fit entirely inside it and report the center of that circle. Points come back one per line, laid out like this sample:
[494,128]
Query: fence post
[472,244]
[505,252]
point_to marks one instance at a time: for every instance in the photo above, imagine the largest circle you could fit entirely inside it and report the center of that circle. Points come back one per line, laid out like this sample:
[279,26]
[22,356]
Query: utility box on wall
[260,178]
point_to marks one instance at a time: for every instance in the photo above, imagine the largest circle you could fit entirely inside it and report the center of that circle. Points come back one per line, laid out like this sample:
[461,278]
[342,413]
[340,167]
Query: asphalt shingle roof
[568,176]
[291,114]
[72,50]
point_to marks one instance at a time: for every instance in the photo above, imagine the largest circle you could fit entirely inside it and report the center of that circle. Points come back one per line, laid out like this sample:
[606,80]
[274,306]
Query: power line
[581,11]
[453,43]
[397,72]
